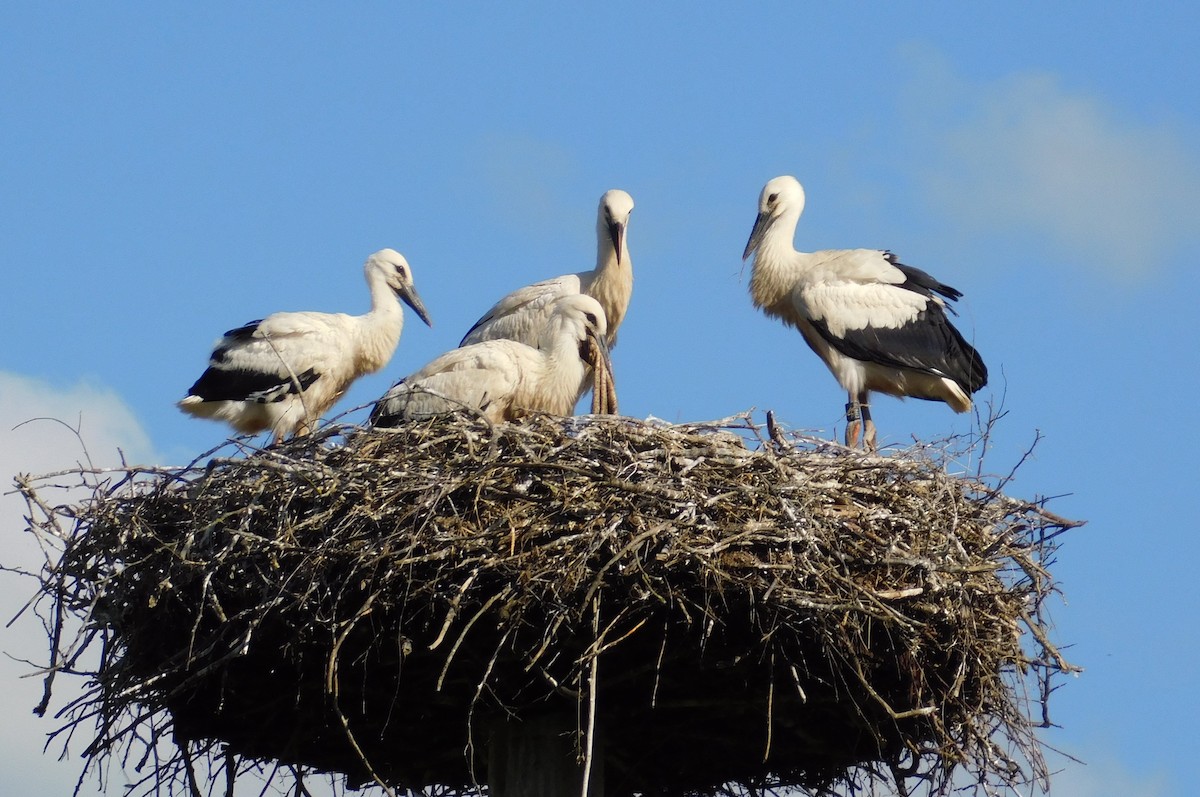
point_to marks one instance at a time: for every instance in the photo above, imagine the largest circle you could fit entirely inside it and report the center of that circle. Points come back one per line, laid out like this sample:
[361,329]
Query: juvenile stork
[522,314]
[283,372]
[878,324]
[506,379]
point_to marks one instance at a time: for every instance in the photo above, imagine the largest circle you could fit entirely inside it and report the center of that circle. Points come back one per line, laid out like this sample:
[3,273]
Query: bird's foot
[869,443]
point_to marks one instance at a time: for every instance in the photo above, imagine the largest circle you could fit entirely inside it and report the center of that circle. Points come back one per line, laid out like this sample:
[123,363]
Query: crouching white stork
[283,372]
[504,379]
[878,324]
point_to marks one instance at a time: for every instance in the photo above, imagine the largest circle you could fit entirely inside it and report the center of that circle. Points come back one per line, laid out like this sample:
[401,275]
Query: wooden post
[538,757]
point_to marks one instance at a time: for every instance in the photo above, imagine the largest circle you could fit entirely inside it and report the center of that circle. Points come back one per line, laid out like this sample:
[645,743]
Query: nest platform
[724,609]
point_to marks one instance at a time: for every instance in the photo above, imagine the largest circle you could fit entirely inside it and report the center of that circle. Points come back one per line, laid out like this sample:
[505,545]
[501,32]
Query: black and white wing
[265,361]
[898,325]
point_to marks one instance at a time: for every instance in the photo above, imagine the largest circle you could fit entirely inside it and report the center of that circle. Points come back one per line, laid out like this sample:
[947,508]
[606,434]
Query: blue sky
[170,171]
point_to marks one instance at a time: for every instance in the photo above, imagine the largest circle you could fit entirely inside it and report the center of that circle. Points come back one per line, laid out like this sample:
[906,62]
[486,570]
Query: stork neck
[562,368]
[777,264]
[378,331]
[611,284]
[385,314]
[384,302]
[606,253]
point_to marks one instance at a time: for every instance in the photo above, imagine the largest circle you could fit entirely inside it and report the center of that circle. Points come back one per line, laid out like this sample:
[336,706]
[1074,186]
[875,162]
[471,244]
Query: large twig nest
[733,611]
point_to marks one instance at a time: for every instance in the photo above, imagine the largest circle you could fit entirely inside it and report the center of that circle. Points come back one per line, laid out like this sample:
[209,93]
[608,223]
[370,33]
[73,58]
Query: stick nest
[729,610]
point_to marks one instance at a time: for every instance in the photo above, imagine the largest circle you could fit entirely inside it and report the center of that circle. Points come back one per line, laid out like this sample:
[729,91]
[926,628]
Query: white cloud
[1106,778]
[38,424]
[1026,154]
[37,436]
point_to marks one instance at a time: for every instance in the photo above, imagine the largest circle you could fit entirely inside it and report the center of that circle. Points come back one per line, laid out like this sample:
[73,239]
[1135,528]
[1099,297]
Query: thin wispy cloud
[1027,154]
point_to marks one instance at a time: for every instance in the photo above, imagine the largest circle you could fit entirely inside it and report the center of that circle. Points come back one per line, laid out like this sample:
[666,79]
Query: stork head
[590,325]
[612,218]
[782,197]
[579,318]
[395,270]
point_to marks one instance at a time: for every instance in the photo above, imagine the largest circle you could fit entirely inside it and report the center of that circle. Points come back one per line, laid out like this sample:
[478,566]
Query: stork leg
[869,443]
[859,425]
[853,422]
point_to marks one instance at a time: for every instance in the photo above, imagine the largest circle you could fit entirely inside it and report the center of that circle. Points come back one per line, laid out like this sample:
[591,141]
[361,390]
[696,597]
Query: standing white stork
[283,372]
[878,324]
[522,314]
[505,379]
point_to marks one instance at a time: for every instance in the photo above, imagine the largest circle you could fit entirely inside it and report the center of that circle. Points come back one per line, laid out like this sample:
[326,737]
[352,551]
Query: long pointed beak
[761,224]
[616,231]
[602,352]
[410,296]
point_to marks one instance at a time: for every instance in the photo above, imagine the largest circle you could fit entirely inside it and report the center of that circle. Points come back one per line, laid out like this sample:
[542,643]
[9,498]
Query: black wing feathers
[244,332]
[236,384]
[923,282]
[232,337]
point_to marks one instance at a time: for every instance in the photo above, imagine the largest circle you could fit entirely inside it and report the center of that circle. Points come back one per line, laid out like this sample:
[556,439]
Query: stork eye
[771,199]
[591,317]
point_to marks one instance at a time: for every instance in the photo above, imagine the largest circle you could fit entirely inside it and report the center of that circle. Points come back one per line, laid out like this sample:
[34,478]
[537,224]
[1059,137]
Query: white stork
[283,372]
[505,379]
[878,324]
[522,314]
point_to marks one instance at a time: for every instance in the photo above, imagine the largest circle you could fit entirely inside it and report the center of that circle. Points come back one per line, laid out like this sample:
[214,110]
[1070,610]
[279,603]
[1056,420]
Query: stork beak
[761,223]
[409,294]
[616,231]
[595,349]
